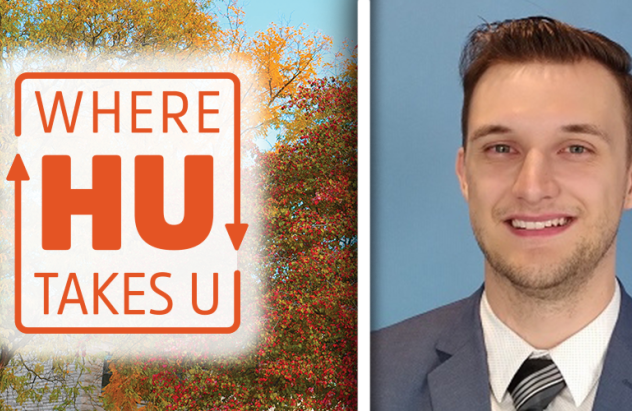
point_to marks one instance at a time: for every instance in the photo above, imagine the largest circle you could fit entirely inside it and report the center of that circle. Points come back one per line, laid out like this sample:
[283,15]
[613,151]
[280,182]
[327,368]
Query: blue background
[423,253]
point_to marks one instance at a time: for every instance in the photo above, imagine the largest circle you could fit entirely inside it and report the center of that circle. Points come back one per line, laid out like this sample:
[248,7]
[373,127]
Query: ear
[628,193]
[461,172]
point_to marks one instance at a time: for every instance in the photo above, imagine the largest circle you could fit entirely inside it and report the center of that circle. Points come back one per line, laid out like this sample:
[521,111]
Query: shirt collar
[506,351]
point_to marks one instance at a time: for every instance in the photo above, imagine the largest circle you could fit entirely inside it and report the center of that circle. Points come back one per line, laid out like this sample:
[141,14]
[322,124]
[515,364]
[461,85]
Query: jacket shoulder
[422,329]
[403,354]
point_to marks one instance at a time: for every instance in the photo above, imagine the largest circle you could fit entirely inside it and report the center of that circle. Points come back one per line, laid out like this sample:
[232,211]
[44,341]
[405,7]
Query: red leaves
[306,357]
[310,238]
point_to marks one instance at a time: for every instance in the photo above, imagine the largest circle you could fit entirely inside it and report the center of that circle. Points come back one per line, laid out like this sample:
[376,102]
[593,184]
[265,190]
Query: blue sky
[335,18]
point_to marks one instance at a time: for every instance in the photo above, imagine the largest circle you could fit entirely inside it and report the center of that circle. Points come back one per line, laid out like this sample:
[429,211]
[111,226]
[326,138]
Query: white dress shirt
[580,358]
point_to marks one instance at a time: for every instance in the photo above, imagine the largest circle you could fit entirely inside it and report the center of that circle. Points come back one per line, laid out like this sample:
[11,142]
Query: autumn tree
[282,58]
[285,60]
[122,35]
[307,355]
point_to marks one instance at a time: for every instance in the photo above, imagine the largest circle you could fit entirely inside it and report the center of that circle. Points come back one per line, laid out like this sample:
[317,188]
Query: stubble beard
[552,282]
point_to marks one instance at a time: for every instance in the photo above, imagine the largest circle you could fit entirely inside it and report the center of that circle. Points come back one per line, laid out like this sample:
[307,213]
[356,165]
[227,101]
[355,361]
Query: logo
[127,203]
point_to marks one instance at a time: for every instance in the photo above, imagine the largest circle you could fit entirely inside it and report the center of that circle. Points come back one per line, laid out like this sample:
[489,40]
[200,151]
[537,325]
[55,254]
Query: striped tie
[535,384]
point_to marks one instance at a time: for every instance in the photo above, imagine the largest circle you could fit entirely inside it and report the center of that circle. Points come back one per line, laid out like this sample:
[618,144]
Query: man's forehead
[545,70]
[580,96]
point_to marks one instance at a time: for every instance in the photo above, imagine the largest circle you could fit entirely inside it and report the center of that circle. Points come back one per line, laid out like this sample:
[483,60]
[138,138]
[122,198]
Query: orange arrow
[237,230]
[18,173]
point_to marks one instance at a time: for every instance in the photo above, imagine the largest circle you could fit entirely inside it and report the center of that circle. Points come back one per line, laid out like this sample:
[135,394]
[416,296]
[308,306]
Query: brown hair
[541,39]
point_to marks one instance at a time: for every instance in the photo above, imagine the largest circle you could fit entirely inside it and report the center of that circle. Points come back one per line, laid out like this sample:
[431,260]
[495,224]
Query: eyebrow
[590,129]
[581,128]
[489,129]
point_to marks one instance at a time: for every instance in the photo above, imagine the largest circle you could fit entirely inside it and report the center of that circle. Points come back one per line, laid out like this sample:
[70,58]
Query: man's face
[545,172]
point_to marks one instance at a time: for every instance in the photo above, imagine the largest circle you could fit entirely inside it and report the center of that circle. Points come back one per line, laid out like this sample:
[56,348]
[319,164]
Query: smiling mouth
[539,225]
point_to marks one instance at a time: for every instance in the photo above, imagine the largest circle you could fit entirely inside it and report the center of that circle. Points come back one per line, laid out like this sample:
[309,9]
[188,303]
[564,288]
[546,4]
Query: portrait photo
[501,188]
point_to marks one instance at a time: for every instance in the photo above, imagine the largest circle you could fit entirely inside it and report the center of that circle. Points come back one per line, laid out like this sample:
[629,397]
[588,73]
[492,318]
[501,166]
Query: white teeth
[539,225]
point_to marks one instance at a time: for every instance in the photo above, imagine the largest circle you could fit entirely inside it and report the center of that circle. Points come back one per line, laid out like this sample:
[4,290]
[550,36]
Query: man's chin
[542,281]
[536,281]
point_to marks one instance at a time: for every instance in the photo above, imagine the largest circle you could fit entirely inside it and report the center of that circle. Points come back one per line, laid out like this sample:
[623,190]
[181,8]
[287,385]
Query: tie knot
[535,384]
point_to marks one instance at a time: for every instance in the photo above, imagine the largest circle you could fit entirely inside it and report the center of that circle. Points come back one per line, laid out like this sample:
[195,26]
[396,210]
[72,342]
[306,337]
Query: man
[546,169]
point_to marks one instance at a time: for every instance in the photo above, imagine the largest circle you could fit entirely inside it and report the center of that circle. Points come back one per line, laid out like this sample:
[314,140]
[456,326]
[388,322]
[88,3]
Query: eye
[500,148]
[577,149]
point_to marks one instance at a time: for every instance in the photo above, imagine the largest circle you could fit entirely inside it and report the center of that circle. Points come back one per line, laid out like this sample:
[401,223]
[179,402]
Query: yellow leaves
[120,392]
[123,28]
[11,36]
[285,58]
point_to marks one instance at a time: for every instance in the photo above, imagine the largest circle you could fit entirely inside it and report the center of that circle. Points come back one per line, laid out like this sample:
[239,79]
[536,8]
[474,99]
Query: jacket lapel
[461,381]
[615,384]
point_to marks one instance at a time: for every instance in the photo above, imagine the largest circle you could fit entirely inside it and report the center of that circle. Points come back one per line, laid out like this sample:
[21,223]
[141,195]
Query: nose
[535,180]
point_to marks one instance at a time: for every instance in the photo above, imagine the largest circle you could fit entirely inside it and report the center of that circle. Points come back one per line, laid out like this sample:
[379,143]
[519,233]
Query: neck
[546,320]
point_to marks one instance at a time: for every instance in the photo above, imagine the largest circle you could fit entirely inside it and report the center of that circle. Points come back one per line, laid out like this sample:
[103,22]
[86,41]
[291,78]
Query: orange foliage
[122,28]
[285,59]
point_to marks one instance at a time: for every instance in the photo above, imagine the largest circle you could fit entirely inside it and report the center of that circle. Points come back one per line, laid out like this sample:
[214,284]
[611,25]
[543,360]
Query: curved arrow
[237,230]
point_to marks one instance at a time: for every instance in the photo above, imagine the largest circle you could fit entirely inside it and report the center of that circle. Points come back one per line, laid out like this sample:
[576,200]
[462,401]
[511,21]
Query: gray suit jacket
[437,362]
